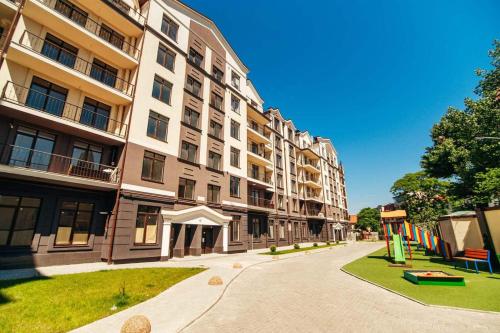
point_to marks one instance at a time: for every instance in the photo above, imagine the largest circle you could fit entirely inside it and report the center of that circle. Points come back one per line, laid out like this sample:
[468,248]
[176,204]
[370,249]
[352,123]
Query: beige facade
[145,104]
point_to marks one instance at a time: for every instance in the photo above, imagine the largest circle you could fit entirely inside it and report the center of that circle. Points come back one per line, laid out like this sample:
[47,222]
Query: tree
[487,188]
[424,198]
[369,219]
[458,153]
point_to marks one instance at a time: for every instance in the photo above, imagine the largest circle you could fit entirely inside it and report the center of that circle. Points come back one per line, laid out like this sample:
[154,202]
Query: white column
[165,241]
[225,237]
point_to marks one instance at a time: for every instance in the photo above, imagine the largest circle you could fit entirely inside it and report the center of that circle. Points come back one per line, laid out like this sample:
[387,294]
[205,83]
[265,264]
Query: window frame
[157,119]
[145,224]
[77,211]
[14,219]
[155,158]
[236,180]
[185,182]
[211,190]
[188,145]
[211,155]
[235,152]
[162,83]
[163,60]
[235,129]
[167,24]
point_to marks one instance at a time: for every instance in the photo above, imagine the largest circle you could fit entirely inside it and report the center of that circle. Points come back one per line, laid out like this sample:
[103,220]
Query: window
[278,142]
[60,51]
[270,228]
[218,74]
[169,27]
[294,186]
[95,114]
[18,218]
[71,11]
[235,80]
[234,228]
[162,89]
[195,57]
[290,135]
[304,230]
[279,180]
[32,149]
[282,229]
[214,160]
[146,225]
[234,186]
[295,207]
[193,86]
[235,104]
[74,223]
[152,166]
[85,158]
[104,73]
[235,129]
[277,124]
[191,117]
[213,193]
[216,101]
[279,161]
[292,168]
[186,188]
[157,126]
[215,129]
[46,96]
[256,227]
[188,151]
[292,150]
[296,230]
[111,36]
[235,157]
[280,202]
[165,57]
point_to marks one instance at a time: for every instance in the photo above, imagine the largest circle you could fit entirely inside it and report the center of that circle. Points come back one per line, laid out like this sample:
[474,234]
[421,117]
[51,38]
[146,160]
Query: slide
[399,252]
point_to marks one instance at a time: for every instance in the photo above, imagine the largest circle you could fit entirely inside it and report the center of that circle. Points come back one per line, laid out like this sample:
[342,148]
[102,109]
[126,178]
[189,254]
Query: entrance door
[207,240]
[188,239]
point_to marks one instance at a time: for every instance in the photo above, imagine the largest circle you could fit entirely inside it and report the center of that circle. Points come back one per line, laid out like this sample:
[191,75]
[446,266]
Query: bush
[327,243]
[338,242]
[296,246]
[315,244]
[273,248]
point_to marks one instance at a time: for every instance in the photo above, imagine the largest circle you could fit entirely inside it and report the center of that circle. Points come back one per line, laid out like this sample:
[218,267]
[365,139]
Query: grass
[481,291]
[298,250]
[64,302]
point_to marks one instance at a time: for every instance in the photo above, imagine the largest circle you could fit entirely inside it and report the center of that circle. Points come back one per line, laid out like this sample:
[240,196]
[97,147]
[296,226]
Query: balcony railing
[60,108]
[259,150]
[91,26]
[311,179]
[310,195]
[260,202]
[260,129]
[21,157]
[260,176]
[127,10]
[71,60]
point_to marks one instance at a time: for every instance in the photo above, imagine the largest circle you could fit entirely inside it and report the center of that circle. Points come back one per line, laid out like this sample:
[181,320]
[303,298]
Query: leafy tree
[458,153]
[424,198]
[487,188]
[369,219]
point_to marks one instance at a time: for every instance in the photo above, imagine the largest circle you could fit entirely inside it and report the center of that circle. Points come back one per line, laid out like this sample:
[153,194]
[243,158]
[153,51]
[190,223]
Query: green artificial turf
[481,291]
[64,302]
[299,250]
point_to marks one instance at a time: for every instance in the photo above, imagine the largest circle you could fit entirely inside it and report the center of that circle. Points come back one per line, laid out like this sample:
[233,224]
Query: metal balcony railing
[259,150]
[71,60]
[260,129]
[260,176]
[126,9]
[21,157]
[60,108]
[260,202]
[91,26]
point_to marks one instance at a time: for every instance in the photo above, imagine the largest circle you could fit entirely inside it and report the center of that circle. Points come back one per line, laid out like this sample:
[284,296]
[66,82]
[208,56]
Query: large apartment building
[129,131]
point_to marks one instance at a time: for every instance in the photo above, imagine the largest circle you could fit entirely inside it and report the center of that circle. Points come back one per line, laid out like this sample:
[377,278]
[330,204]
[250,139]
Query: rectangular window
[46,96]
[165,57]
[95,114]
[191,117]
[32,149]
[234,187]
[213,193]
[235,157]
[270,232]
[216,101]
[86,159]
[186,188]
[292,168]
[72,12]
[218,74]
[282,230]
[235,104]
[295,207]
[195,57]
[75,219]
[111,36]
[188,151]
[169,27]
[279,161]
[193,86]
[162,89]
[235,129]
[294,186]
[214,160]
[277,124]
[235,80]
[215,129]
[279,180]
[18,218]
[146,225]
[60,51]
[153,166]
[103,72]
[296,230]
[157,126]
[234,228]
[280,202]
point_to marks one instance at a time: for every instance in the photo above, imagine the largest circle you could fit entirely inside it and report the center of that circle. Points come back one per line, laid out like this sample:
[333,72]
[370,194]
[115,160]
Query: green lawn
[299,250]
[64,302]
[481,291]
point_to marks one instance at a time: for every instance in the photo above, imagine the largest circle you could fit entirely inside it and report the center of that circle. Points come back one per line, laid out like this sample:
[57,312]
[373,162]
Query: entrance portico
[194,231]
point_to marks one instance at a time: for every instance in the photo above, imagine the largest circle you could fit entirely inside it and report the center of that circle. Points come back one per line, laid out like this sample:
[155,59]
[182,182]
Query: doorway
[207,240]
[188,239]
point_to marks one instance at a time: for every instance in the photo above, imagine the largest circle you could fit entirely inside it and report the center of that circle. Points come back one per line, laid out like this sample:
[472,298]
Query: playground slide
[399,253]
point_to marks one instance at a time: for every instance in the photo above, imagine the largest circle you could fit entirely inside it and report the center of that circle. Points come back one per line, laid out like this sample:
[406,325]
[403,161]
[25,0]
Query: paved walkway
[311,294]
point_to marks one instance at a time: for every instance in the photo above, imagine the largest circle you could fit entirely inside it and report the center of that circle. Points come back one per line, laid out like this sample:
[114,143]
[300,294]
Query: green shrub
[327,243]
[338,242]
[315,244]
[273,248]
[296,246]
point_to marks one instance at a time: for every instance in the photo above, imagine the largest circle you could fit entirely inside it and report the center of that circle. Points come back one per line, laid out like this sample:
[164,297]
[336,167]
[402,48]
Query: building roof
[461,213]
[393,214]
[353,219]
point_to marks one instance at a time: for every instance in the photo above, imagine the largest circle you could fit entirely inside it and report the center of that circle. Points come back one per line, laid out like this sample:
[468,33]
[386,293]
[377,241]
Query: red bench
[475,255]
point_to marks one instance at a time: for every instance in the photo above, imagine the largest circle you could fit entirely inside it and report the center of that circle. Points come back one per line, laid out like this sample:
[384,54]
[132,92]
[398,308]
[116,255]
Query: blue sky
[371,75]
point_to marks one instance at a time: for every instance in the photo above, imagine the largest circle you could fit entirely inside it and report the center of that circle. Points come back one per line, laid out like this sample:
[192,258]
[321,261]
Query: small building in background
[461,230]
[353,219]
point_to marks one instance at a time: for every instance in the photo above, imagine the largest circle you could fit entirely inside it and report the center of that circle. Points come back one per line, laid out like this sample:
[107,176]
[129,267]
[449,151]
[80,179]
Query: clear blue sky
[371,75]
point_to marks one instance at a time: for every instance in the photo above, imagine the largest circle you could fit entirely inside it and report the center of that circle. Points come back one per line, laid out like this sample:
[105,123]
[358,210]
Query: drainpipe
[287,159]
[125,148]
[11,30]
[324,197]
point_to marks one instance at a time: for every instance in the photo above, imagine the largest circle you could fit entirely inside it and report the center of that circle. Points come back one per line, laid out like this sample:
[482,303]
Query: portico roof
[196,215]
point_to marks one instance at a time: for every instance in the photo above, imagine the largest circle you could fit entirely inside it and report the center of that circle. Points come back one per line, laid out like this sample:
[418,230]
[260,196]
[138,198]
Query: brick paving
[311,294]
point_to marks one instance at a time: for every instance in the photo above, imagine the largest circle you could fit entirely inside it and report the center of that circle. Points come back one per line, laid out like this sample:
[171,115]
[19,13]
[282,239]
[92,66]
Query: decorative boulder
[136,324]
[215,281]
[237,265]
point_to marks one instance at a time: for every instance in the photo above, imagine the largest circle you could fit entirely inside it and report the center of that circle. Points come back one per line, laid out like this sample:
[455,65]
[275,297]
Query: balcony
[313,197]
[76,25]
[30,163]
[309,165]
[312,181]
[258,201]
[258,155]
[53,107]
[262,177]
[8,7]
[124,8]
[258,133]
